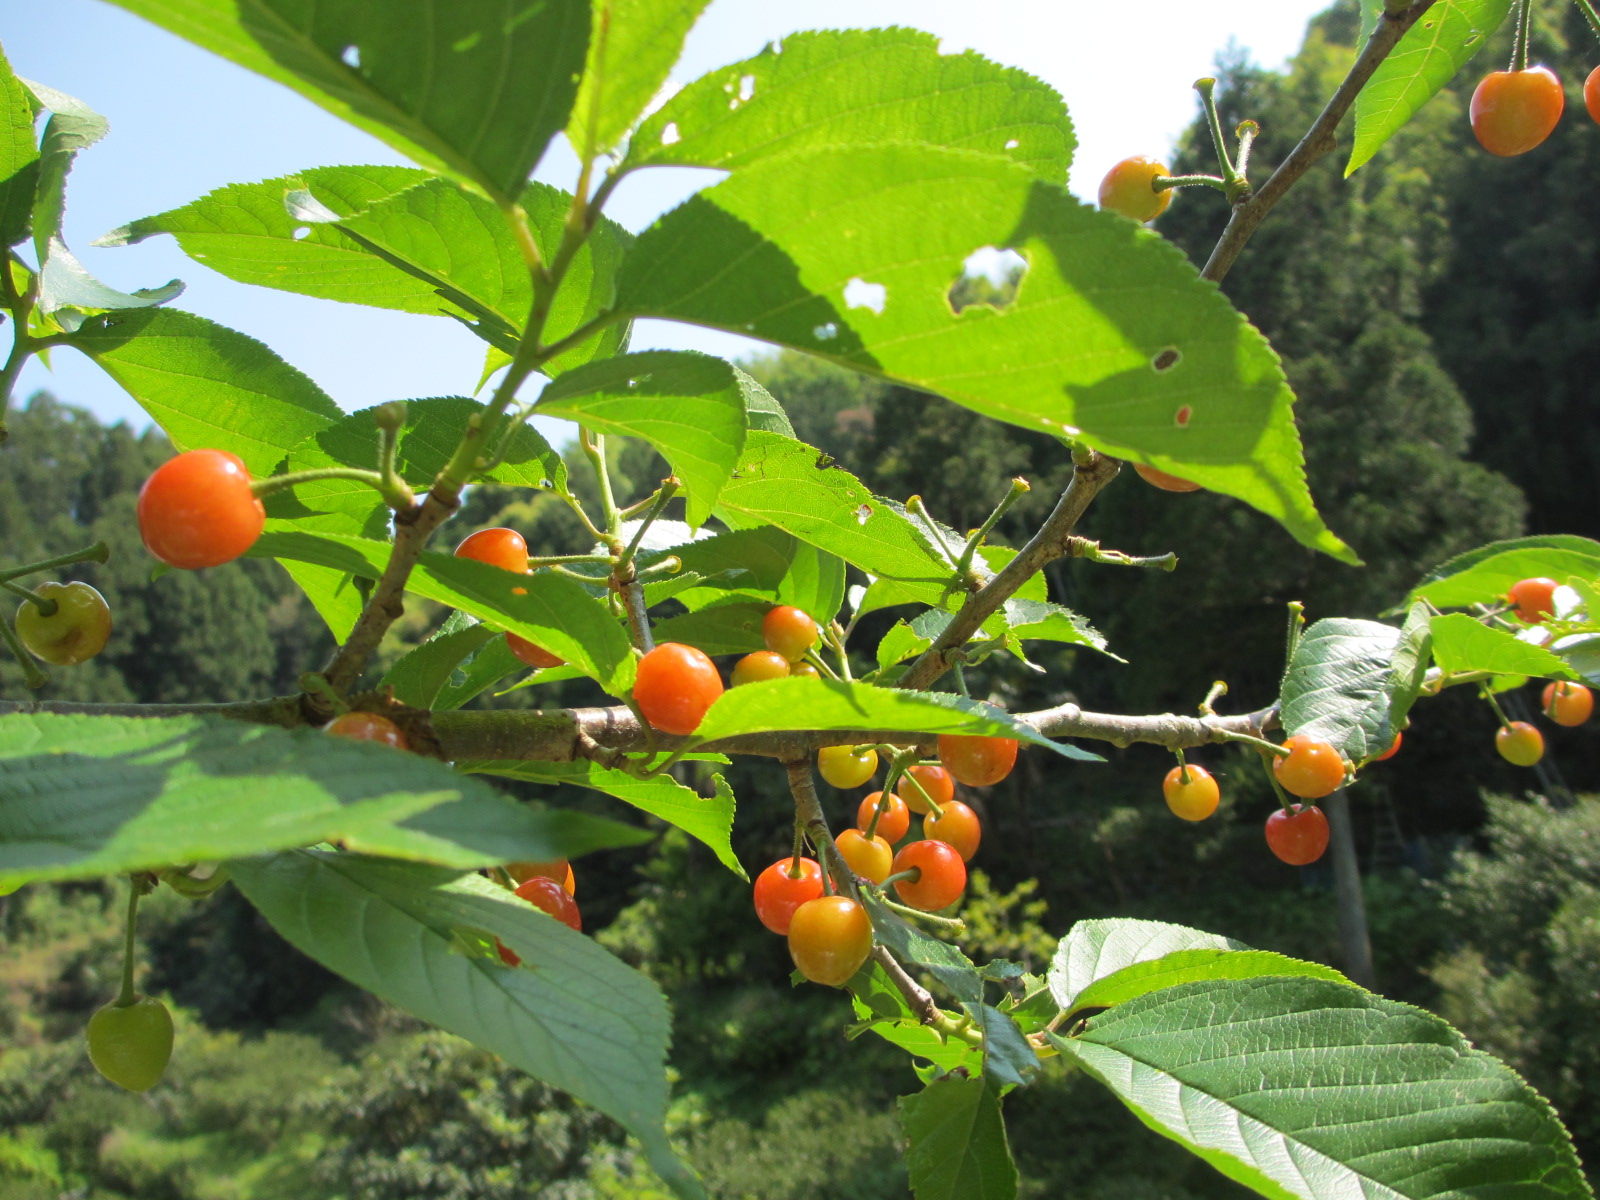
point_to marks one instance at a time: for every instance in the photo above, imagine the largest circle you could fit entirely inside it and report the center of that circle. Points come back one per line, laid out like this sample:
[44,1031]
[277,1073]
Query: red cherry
[1298,836]
[944,875]
[1194,799]
[1591,94]
[534,656]
[759,667]
[778,894]
[958,826]
[977,761]
[197,510]
[789,631]
[894,822]
[1564,703]
[1534,598]
[1513,111]
[1394,748]
[367,727]
[935,781]
[1519,743]
[503,548]
[804,670]
[829,938]
[558,869]
[1160,479]
[1311,770]
[551,897]
[675,686]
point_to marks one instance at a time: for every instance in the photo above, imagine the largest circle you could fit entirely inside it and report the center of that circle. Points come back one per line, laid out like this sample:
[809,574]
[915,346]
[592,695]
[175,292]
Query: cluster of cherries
[1568,704]
[1514,111]
[829,933]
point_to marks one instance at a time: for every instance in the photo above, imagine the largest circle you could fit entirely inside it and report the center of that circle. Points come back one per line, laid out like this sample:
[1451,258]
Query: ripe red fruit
[1591,94]
[1513,111]
[804,670]
[534,656]
[789,631]
[197,510]
[1564,703]
[869,859]
[894,822]
[503,548]
[778,894]
[762,665]
[977,761]
[829,938]
[944,875]
[1393,749]
[1127,189]
[367,727]
[844,768]
[558,869]
[1298,836]
[1312,769]
[77,630]
[936,782]
[1519,743]
[548,895]
[1160,479]
[675,686]
[1534,598]
[1194,800]
[958,826]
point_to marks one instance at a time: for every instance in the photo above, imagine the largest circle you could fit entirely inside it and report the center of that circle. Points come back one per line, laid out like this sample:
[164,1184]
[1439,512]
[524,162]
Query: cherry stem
[1590,15]
[1020,487]
[1183,768]
[1089,550]
[1208,706]
[1207,88]
[1266,747]
[1297,623]
[46,606]
[664,493]
[938,813]
[1167,183]
[314,683]
[594,449]
[1272,778]
[396,493]
[129,936]
[913,875]
[961,679]
[952,925]
[33,675]
[99,552]
[1247,132]
[1505,721]
[1519,46]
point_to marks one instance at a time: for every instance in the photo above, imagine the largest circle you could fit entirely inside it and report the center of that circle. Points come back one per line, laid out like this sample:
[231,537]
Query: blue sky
[184,122]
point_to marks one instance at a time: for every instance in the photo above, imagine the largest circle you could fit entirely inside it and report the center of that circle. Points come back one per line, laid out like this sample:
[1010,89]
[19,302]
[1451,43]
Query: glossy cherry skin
[1312,769]
[1534,598]
[789,631]
[935,781]
[131,1044]
[777,893]
[1591,95]
[1513,111]
[1160,479]
[74,633]
[1127,189]
[503,548]
[1194,800]
[675,686]
[804,670]
[957,826]
[829,938]
[944,875]
[844,768]
[546,894]
[534,656]
[869,859]
[892,824]
[367,727]
[1519,743]
[1394,748]
[977,761]
[197,510]
[759,667]
[1298,836]
[1564,703]
[558,869]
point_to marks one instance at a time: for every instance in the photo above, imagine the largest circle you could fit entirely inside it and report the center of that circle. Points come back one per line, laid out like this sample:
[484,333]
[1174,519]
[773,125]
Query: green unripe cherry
[130,1044]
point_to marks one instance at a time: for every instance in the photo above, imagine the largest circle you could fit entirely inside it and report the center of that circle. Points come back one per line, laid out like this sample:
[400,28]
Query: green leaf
[958,1145]
[19,157]
[1112,338]
[783,482]
[859,88]
[900,643]
[1102,963]
[1425,59]
[474,90]
[89,796]
[1485,575]
[631,48]
[550,610]
[1038,620]
[1352,682]
[332,593]
[814,583]
[65,283]
[690,407]
[207,385]
[1309,1089]
[72,126]
[573,1015]
[953,969]
[1461,644]
[1009,1059]
[418,676]
[432,430]
[706,818]
[785,704]
[879,1005]
[718,629]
